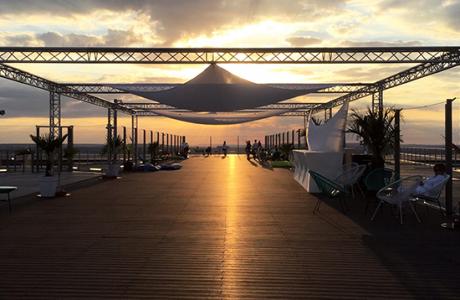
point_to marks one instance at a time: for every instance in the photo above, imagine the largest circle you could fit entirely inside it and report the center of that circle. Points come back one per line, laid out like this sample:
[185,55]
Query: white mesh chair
[350,177]
[399,193]
[430,197]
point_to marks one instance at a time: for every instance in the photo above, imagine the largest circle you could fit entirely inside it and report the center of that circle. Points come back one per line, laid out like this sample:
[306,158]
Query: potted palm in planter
[113,148]
[48,144]
[375,131]
[154,149]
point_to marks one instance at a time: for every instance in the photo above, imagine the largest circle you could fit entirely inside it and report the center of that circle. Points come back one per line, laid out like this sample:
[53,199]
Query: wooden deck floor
[218,228]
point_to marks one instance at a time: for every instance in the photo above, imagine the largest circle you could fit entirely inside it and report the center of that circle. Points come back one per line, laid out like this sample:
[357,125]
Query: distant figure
[255,149]
[259,149]
[224,148]
[248,150]
[185,150]
[432,181]
[208,151]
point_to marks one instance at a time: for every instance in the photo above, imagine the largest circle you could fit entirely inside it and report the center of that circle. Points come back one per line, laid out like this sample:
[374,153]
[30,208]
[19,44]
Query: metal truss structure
[356,55]
[55,114]
[24,77]
[440,64]
[431,60]
[109,88]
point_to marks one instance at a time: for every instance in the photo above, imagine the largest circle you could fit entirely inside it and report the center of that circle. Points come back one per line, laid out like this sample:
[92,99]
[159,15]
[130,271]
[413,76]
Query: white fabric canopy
[220,118]
[217,90]
[328,137]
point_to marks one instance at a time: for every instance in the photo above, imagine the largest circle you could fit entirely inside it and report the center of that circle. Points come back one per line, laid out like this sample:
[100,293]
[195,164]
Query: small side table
[7,190]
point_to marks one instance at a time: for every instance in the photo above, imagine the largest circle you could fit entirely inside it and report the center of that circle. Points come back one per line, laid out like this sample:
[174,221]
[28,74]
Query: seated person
[428,184]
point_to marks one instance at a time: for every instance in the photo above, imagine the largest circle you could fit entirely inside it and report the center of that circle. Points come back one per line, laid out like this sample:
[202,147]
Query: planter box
[48,186]
[113,170]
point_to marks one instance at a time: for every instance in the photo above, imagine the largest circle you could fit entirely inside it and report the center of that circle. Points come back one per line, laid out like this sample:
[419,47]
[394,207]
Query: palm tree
[376,131]
[49,145]
[154,149]
[115,145]
[285,150]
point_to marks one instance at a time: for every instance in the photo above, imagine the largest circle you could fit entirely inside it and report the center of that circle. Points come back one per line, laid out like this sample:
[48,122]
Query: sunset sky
[214,23]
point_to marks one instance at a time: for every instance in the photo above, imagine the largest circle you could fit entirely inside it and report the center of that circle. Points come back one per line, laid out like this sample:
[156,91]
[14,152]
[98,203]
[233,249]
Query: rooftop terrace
[218,228]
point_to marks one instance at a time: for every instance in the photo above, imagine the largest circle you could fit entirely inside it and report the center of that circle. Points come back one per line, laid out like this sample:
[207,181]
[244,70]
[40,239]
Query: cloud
[298,41]
[425,11]
[380,43]
[22,101]
[184,18]
[112,38]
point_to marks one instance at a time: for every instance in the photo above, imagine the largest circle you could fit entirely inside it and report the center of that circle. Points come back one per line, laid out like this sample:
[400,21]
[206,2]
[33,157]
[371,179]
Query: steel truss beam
[107,88]
[446,62]
[24,77]
[223,55]
[55,114]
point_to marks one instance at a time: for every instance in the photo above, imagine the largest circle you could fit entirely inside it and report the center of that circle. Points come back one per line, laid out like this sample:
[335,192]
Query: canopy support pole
[448,154]
[397,141]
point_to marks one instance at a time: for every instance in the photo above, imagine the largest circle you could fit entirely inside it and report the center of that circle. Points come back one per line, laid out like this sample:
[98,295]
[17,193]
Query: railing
[429,156]
[10,161]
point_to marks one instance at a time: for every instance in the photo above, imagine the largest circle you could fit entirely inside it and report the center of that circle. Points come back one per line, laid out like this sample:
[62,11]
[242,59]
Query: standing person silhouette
[255,149]
[224,149]
[248,150]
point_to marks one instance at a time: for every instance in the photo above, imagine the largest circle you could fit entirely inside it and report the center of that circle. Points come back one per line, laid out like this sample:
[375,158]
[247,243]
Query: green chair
[330,189]
[375,180]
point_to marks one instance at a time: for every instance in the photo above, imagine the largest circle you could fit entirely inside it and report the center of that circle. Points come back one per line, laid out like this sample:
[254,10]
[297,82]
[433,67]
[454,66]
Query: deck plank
[218,228]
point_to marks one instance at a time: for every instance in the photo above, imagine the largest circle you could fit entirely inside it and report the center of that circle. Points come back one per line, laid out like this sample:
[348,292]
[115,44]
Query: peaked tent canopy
[217,90]
[219,118]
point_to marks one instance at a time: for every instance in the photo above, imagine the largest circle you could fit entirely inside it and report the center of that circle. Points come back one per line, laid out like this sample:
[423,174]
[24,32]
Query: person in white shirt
[428,184]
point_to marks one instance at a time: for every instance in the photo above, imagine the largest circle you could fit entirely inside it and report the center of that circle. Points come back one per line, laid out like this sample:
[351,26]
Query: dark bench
[7,190]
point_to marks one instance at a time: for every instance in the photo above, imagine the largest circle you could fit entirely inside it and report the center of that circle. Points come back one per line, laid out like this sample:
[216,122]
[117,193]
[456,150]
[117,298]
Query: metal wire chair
[399,193]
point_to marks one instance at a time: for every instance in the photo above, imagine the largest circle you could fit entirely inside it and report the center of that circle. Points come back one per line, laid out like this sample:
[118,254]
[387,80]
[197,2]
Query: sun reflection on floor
[230,283]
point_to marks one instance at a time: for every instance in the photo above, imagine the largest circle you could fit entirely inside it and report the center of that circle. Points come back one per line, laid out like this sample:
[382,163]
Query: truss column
[377,101]
[134,123]
[55,113]
[115,119]
[124,145]
[151,145]
[110,136]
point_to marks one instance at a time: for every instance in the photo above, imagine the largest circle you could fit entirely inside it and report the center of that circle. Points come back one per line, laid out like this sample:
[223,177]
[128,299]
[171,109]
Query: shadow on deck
[219,228]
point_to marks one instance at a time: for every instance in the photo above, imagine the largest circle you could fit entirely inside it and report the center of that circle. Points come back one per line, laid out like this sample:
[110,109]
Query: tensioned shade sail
[217,90]
[219,118]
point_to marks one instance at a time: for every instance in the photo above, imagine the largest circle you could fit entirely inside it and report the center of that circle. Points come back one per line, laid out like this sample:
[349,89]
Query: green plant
[69,154]
[115,145]
[49,145]
[285,150]
[316,121]
[375,131]
[154,150]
